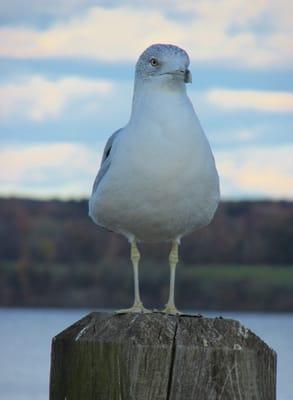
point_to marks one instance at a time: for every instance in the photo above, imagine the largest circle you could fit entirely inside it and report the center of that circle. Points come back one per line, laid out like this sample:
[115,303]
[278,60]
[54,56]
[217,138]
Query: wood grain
[160,357]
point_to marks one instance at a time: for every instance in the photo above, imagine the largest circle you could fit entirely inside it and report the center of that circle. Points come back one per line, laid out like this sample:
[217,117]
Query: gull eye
[154,62]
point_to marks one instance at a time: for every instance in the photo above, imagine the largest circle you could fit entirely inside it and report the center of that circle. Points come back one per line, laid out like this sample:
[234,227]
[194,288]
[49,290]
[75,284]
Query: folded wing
[106,160]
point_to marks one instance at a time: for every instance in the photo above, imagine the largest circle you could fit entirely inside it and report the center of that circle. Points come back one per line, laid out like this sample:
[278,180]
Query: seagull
[157,181]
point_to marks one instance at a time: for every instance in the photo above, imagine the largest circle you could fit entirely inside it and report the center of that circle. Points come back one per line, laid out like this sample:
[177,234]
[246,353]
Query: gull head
[163,63]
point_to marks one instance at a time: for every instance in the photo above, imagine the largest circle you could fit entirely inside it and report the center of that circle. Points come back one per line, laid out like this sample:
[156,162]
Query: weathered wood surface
[160,357]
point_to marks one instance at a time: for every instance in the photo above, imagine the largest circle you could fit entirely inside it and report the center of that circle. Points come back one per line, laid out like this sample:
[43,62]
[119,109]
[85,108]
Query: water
[25,336]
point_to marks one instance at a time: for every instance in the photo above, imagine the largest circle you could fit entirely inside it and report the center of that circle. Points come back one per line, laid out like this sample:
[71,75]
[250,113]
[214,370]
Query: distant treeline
[246,232]
[51,254]
[216,287]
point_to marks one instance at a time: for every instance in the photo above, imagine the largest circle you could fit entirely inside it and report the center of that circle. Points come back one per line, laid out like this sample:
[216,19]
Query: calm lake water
[25,336]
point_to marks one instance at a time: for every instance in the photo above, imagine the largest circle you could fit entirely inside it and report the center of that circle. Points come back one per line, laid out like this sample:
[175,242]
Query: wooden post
[160,357]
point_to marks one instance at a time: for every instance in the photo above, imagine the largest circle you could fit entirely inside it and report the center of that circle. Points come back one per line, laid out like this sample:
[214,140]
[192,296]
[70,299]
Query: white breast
[162,182]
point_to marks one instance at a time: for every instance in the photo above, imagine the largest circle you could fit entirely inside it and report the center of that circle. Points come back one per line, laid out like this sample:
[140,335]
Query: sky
[66,81]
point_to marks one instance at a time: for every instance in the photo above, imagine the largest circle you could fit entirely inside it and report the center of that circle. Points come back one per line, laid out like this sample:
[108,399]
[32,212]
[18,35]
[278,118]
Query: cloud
[15,10]
[256,172]
[257,100]
[225,31]
[237,137]
[61,169]
[38,98]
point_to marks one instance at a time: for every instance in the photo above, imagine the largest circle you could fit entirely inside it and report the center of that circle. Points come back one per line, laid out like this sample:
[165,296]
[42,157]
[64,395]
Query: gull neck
[151,95]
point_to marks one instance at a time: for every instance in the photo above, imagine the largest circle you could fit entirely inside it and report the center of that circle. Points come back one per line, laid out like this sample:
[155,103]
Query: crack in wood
[172,361]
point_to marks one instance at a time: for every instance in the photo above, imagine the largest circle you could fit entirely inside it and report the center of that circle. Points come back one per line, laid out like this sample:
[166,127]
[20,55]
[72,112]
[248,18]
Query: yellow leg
[173,260]
[137,305]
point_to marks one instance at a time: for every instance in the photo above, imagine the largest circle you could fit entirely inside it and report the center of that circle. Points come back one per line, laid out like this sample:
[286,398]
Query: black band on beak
[187,76]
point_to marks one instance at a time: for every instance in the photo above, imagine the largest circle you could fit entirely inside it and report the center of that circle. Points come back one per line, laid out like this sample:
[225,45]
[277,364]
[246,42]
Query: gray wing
[106,160]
